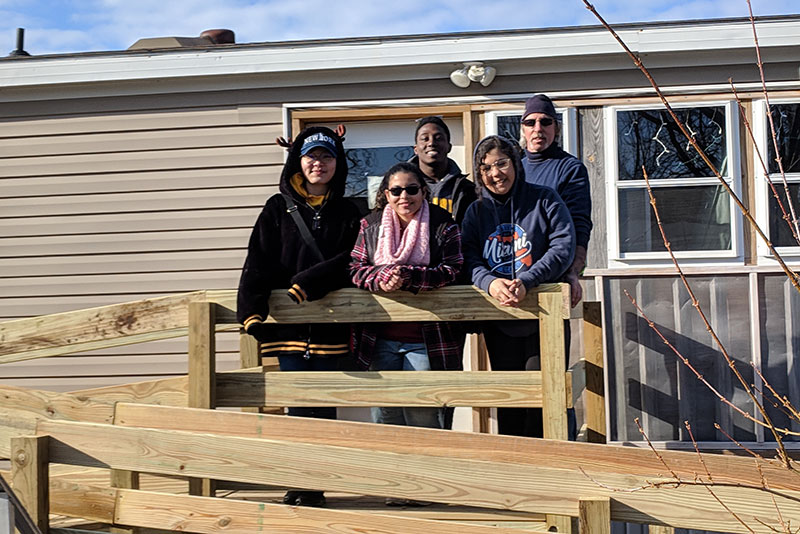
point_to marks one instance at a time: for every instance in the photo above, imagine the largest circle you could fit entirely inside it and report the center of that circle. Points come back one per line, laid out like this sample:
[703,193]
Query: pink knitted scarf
[399,247]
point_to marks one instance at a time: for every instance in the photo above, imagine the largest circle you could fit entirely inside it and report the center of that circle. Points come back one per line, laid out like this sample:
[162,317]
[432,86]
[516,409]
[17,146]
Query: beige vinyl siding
[111,205]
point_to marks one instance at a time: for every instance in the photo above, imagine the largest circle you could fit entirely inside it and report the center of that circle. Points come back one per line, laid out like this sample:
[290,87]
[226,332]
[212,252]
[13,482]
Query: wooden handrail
[168,317]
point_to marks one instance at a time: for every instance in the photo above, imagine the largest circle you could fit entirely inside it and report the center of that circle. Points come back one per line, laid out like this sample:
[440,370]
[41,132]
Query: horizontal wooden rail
[526,480]
[184,513]
[476,389]
[168,317]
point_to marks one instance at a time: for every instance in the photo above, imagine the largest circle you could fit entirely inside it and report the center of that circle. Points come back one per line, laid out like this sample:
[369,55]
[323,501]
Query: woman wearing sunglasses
[412,245]
[516,236]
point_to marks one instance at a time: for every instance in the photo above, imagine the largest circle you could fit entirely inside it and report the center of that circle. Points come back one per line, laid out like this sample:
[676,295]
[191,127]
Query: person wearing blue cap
[548,165]
[302,241]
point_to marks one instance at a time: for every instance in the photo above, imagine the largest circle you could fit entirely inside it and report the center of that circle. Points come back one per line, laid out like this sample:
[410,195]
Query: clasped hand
[394,282]
[508,292]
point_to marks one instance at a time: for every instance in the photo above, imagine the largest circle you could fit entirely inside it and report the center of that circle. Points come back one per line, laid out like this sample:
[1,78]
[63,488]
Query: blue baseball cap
[318,140]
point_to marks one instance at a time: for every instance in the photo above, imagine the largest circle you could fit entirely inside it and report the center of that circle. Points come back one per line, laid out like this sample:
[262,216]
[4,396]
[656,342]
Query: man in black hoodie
[450,188]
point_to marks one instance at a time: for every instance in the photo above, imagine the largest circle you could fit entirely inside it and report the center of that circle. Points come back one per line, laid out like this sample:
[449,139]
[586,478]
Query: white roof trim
[312,56]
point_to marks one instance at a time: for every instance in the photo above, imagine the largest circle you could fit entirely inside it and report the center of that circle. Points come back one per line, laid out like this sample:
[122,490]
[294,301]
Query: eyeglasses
[501,165]
[322,158]
[544,121]
[412,190]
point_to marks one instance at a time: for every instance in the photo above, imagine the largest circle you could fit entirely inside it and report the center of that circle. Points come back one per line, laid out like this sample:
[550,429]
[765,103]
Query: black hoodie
[279,258]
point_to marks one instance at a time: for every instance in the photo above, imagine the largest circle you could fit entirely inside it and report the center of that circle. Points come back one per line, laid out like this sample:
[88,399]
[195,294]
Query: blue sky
[88,25]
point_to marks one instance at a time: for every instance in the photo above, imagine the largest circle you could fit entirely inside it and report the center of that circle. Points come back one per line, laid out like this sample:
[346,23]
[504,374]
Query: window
[506,123]
[374,146]
[786,116]
[696,212]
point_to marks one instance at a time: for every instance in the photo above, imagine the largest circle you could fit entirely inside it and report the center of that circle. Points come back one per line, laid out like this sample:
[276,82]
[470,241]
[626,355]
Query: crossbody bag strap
[291,209]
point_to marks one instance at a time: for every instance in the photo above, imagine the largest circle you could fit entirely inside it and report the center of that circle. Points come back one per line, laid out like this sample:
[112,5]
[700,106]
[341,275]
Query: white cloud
[75,26]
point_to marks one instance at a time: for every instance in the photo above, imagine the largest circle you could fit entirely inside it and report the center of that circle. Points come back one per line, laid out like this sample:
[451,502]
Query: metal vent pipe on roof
[20,44]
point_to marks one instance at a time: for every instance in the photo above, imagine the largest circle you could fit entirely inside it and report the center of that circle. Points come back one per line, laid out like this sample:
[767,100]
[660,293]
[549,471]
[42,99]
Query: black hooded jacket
[279,258]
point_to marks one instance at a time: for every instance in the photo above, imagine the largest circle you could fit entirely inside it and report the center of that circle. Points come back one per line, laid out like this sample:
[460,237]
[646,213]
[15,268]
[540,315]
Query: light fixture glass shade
[488,76]
[459,78]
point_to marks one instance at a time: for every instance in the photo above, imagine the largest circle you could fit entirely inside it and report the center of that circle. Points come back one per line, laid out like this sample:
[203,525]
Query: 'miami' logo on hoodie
[507,243]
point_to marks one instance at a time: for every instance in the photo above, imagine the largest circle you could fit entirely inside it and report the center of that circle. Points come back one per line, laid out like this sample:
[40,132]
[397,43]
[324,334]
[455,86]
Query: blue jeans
[315,363]
[400,356]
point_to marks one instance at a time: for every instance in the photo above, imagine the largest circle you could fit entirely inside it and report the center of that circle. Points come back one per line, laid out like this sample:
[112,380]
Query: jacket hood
[292,165]
[519,170]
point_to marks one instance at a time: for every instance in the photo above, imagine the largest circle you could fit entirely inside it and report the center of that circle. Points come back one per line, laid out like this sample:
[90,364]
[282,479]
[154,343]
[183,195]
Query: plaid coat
[443,341]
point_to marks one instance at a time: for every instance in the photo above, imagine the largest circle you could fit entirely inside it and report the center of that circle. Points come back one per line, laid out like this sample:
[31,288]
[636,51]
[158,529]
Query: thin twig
[697,450]
[785,216]
[739,519]
[658,455]
[778,158]
[746,212]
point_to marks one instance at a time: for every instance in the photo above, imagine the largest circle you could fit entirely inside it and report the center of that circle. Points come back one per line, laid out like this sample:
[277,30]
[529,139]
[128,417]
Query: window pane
[779,231]
[508,126]
[646,379]
[694,218]
[650,138]
[787,129]
[365,162]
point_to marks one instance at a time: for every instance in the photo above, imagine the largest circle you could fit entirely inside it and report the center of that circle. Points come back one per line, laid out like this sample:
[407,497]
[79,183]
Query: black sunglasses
[544,121]
[412,190]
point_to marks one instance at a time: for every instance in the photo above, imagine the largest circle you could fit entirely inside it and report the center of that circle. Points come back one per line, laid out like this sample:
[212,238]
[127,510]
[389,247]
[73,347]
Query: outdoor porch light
[473,71]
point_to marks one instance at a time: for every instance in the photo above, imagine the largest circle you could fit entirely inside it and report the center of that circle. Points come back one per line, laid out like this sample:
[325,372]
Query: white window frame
[569,125]
[761,133]
[613,185]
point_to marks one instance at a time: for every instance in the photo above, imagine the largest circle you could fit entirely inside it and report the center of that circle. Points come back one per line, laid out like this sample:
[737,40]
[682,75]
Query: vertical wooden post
[554,378]
[479,361]
[249,356]
[121,478]
[554,369]
[660,529]
[202,371]
[594,515]
[594,400]
[29,475]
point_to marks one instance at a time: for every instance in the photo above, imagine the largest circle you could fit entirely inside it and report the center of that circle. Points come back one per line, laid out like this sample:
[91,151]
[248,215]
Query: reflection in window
[364,163]
[779,232]
[695,218]
[508,127]
[650,138]
[787,130]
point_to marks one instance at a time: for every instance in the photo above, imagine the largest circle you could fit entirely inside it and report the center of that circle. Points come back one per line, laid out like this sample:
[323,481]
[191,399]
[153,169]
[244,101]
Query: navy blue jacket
[530,236]
[566,175]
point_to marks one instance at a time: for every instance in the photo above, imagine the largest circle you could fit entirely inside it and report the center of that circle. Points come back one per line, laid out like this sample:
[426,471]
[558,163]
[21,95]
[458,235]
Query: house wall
[111,200]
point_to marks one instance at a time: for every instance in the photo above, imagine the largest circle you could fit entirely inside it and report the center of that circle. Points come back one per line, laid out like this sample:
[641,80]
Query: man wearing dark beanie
[450,188]
[548,165]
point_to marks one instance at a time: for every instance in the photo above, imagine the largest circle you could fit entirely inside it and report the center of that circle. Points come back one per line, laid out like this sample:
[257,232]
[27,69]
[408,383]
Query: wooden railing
[201,314]
[593,482]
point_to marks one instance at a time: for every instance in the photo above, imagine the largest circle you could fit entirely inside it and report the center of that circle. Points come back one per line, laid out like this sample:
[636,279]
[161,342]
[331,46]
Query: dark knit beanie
[540,104]
[433,119]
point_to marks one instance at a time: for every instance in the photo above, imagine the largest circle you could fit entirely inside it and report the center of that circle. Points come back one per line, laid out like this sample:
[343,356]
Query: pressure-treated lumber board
[594,515]
[553,361]
[594,407]
[78,330]
[167,317]
[452,303]
[166,391]
[75,499]
[29,469]
[208,515]
[466,445]
[20,408]
[490,484]
[385,388]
